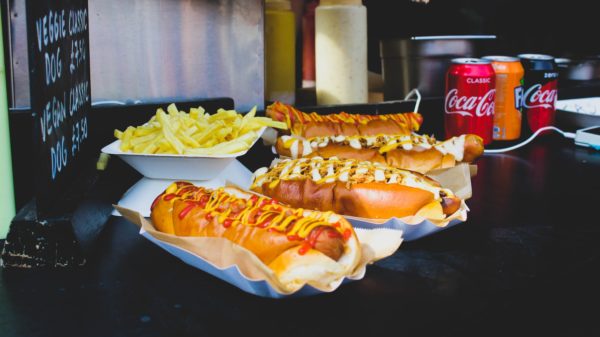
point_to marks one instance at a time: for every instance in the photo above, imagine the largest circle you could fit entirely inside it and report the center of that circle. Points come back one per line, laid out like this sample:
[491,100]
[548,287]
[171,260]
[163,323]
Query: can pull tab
[414,92]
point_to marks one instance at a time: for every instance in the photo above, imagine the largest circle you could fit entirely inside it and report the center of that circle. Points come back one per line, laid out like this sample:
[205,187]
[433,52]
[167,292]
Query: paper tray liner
[240,267]
[457,179]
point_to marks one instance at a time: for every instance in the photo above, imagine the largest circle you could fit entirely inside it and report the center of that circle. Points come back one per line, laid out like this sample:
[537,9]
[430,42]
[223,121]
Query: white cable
[525,142]
[415,92]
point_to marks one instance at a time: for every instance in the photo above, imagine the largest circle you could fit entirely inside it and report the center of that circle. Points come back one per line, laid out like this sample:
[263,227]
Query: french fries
[195,133]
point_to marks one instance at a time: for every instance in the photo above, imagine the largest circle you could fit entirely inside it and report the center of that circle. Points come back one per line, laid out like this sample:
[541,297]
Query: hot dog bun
[300,246]
[410,152]
[314,125]
[355,188]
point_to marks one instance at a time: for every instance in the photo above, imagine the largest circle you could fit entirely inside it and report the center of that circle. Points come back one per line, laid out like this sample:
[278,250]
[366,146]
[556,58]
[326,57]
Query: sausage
[328,241]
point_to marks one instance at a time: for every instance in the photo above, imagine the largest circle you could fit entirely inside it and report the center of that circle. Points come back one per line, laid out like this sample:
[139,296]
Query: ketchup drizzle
[311,240]
[186,190]
[347,234]
[169,196]
[333,234]
[201,199]
[187,209]
[304,248]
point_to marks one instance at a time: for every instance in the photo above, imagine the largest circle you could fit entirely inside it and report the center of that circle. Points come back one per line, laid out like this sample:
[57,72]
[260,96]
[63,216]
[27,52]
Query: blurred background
[561,29]
[564,30]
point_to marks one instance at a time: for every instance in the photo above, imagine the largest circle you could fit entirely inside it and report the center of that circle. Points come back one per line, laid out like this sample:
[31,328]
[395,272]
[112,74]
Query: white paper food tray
[457,179]
[234,276]
[379,239]
[174,166]
[375,244]
[413,227]
[140,196]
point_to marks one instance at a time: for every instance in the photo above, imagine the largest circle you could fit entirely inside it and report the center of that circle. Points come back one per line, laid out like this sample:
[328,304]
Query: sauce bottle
[280,52]
[341,52]
[308,44]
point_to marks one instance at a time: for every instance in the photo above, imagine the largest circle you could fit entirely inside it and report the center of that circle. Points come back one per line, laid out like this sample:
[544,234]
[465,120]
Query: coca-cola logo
[470,105]
[535,97]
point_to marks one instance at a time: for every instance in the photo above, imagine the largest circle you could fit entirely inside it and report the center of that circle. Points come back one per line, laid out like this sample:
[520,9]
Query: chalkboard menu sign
[58,47]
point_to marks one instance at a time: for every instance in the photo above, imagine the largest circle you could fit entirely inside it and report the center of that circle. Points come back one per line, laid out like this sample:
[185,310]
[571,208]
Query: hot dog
[314,125]
[411,151]
[298,245]
[355,188]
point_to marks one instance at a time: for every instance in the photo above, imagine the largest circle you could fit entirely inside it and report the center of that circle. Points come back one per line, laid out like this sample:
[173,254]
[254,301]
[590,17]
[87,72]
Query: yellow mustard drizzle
[273,184]
[287,221]
[224,215]
[214,201]
[306,225]
[288,143]
[273,215]
[171,189]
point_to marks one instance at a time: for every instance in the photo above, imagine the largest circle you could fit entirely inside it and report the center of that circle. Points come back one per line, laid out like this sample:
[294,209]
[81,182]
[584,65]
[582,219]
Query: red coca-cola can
[470,94]
[540,90]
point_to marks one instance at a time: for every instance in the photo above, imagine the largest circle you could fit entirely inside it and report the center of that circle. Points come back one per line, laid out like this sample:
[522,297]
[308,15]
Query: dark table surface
[525,261]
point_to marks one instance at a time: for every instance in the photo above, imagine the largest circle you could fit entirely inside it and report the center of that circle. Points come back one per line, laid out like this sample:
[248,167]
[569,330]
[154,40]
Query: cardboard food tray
[241,268]
[140,196]
[457,179]
[177,166]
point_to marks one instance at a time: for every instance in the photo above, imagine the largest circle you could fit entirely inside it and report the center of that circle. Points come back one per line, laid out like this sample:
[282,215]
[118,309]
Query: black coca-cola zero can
[540,90]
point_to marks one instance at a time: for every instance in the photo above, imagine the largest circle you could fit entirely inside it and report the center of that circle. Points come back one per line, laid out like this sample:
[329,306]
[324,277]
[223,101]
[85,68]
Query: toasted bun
[292,260]
[320,129]
[315,125]
[380,200]
[313,267]
[410,152]
[360,194]
[382,127]
[348,152]
[372,200]
[419,161]
[161,215]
